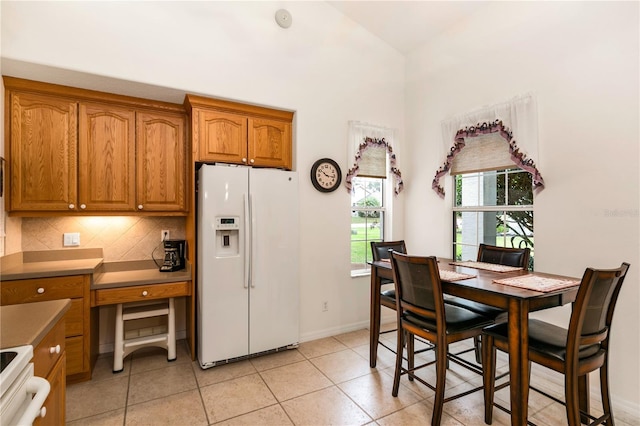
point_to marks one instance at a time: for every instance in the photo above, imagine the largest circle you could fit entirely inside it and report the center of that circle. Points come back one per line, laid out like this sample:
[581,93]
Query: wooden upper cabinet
[87,152]
[221,136]
[42,153]
[231,132]
[161,162]
[107,158]
[269,143]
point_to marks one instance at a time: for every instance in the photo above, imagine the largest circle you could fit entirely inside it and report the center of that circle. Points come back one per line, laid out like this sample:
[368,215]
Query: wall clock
[326,175]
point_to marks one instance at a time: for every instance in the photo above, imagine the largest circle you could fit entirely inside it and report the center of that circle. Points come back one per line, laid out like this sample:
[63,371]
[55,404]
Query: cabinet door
[270,143]
[161,163]
[55,402]
[43,151]
[221,136]
[107,158]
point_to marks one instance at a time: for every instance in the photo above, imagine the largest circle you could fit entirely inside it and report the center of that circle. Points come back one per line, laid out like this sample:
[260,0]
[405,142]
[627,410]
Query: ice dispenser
[227,236]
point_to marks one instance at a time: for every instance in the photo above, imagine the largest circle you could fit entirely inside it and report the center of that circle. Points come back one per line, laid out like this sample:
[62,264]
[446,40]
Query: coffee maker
[174,255]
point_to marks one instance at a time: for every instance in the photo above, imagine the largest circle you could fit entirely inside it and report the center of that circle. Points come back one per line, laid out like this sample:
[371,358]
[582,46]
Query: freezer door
[274,289]
[222,284]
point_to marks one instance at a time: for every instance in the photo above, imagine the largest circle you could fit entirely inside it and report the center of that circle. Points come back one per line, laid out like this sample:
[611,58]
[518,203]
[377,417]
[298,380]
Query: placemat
[535,283]
[446,275]
[487,266]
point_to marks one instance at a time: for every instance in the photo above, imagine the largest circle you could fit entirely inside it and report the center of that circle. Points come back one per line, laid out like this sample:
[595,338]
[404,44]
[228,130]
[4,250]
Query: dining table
[517,301]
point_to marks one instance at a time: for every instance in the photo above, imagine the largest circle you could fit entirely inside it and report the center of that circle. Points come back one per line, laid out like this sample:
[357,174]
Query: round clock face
[326,175]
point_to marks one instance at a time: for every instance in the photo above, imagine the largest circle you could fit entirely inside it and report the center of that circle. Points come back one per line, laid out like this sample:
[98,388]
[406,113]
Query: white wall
[581,61]
[325,68]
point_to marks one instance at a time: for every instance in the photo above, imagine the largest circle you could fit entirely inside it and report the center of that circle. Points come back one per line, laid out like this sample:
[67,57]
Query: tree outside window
[367,219]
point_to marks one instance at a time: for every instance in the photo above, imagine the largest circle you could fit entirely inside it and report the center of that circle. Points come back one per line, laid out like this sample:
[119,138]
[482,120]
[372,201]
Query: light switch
[71,239]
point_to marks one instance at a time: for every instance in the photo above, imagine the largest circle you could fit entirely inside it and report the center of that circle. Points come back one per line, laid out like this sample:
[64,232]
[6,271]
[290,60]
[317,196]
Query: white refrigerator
[247,271]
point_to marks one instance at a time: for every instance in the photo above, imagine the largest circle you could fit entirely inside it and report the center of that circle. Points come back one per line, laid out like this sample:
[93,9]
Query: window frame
[385,214]
[504,208]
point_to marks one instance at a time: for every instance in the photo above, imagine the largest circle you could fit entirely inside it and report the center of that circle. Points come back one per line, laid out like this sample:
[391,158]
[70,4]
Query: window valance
[490,125]
[369,148]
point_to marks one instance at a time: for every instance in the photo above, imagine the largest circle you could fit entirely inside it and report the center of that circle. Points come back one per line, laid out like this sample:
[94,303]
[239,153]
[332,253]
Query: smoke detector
[283,18]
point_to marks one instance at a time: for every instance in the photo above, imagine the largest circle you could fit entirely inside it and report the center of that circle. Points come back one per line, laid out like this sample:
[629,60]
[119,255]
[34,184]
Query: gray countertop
[123,274]
[28,323]
[55,263]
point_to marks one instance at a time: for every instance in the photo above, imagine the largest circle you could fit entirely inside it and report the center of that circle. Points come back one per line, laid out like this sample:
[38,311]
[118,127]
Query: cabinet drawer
[114,296]
[49,350]
[75,355]
[41,289]
[74,319]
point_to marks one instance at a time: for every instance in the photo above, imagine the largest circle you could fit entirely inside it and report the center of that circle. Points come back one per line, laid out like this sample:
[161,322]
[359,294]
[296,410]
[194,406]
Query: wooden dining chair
[500,256]
[573,352]
[421,312]
[380,250]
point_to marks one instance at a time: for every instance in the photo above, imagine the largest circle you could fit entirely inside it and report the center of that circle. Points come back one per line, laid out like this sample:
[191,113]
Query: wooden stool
[162,337]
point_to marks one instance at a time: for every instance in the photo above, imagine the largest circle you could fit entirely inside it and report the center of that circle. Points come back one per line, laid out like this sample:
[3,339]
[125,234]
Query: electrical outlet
[165,235]
[325,306]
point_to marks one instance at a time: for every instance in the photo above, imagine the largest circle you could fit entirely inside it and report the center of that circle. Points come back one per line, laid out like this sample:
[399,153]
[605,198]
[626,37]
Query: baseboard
[333,331]
[106,348]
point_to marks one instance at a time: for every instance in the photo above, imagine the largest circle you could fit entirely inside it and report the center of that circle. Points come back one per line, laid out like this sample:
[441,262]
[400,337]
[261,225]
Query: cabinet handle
[83,206]
[40,290]
[244,160]
[145,293]
[252,161]
[43,411]
[54,349]
[72,206]
[140,206]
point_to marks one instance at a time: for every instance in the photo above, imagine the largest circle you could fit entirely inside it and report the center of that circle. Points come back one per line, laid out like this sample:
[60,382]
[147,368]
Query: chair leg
[604,392]
[399,352]
[478,349]
[441,374]
[488,376]
[571,397]
[411,351]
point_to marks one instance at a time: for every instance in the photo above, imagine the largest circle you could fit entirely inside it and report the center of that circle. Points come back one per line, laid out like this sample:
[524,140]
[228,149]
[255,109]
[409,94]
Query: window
[367,220]
[492,207]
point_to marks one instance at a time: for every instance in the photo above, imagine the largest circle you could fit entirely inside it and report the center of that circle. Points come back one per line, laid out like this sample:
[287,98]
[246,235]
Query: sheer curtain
[516,121]
[519,114]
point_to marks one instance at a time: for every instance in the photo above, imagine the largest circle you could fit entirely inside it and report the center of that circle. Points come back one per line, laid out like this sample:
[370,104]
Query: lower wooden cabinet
[49,362]
[56,401]
[79,330]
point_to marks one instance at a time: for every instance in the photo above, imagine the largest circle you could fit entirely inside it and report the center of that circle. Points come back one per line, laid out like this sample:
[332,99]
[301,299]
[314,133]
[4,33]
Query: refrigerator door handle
[252,282]
[247,242]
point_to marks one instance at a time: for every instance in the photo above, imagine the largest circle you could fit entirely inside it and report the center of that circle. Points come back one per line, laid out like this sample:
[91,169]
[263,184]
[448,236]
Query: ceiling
[406,25]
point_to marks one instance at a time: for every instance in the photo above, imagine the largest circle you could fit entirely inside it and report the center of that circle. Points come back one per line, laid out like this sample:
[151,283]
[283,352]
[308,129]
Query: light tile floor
[326,381]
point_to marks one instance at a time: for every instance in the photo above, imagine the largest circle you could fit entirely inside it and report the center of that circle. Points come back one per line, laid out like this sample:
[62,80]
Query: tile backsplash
[120,237]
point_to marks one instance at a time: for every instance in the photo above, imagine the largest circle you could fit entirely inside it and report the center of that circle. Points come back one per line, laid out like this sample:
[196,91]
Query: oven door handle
[40,388]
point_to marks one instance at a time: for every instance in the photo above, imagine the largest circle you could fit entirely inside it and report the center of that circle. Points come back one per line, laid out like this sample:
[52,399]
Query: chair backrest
[593,308]
[380,249]
[418,286]
[504,255]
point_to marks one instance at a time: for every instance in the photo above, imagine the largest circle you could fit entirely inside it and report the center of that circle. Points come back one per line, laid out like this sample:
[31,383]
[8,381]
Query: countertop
[123,274]
[50,263]
[56,263]
[28,323]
